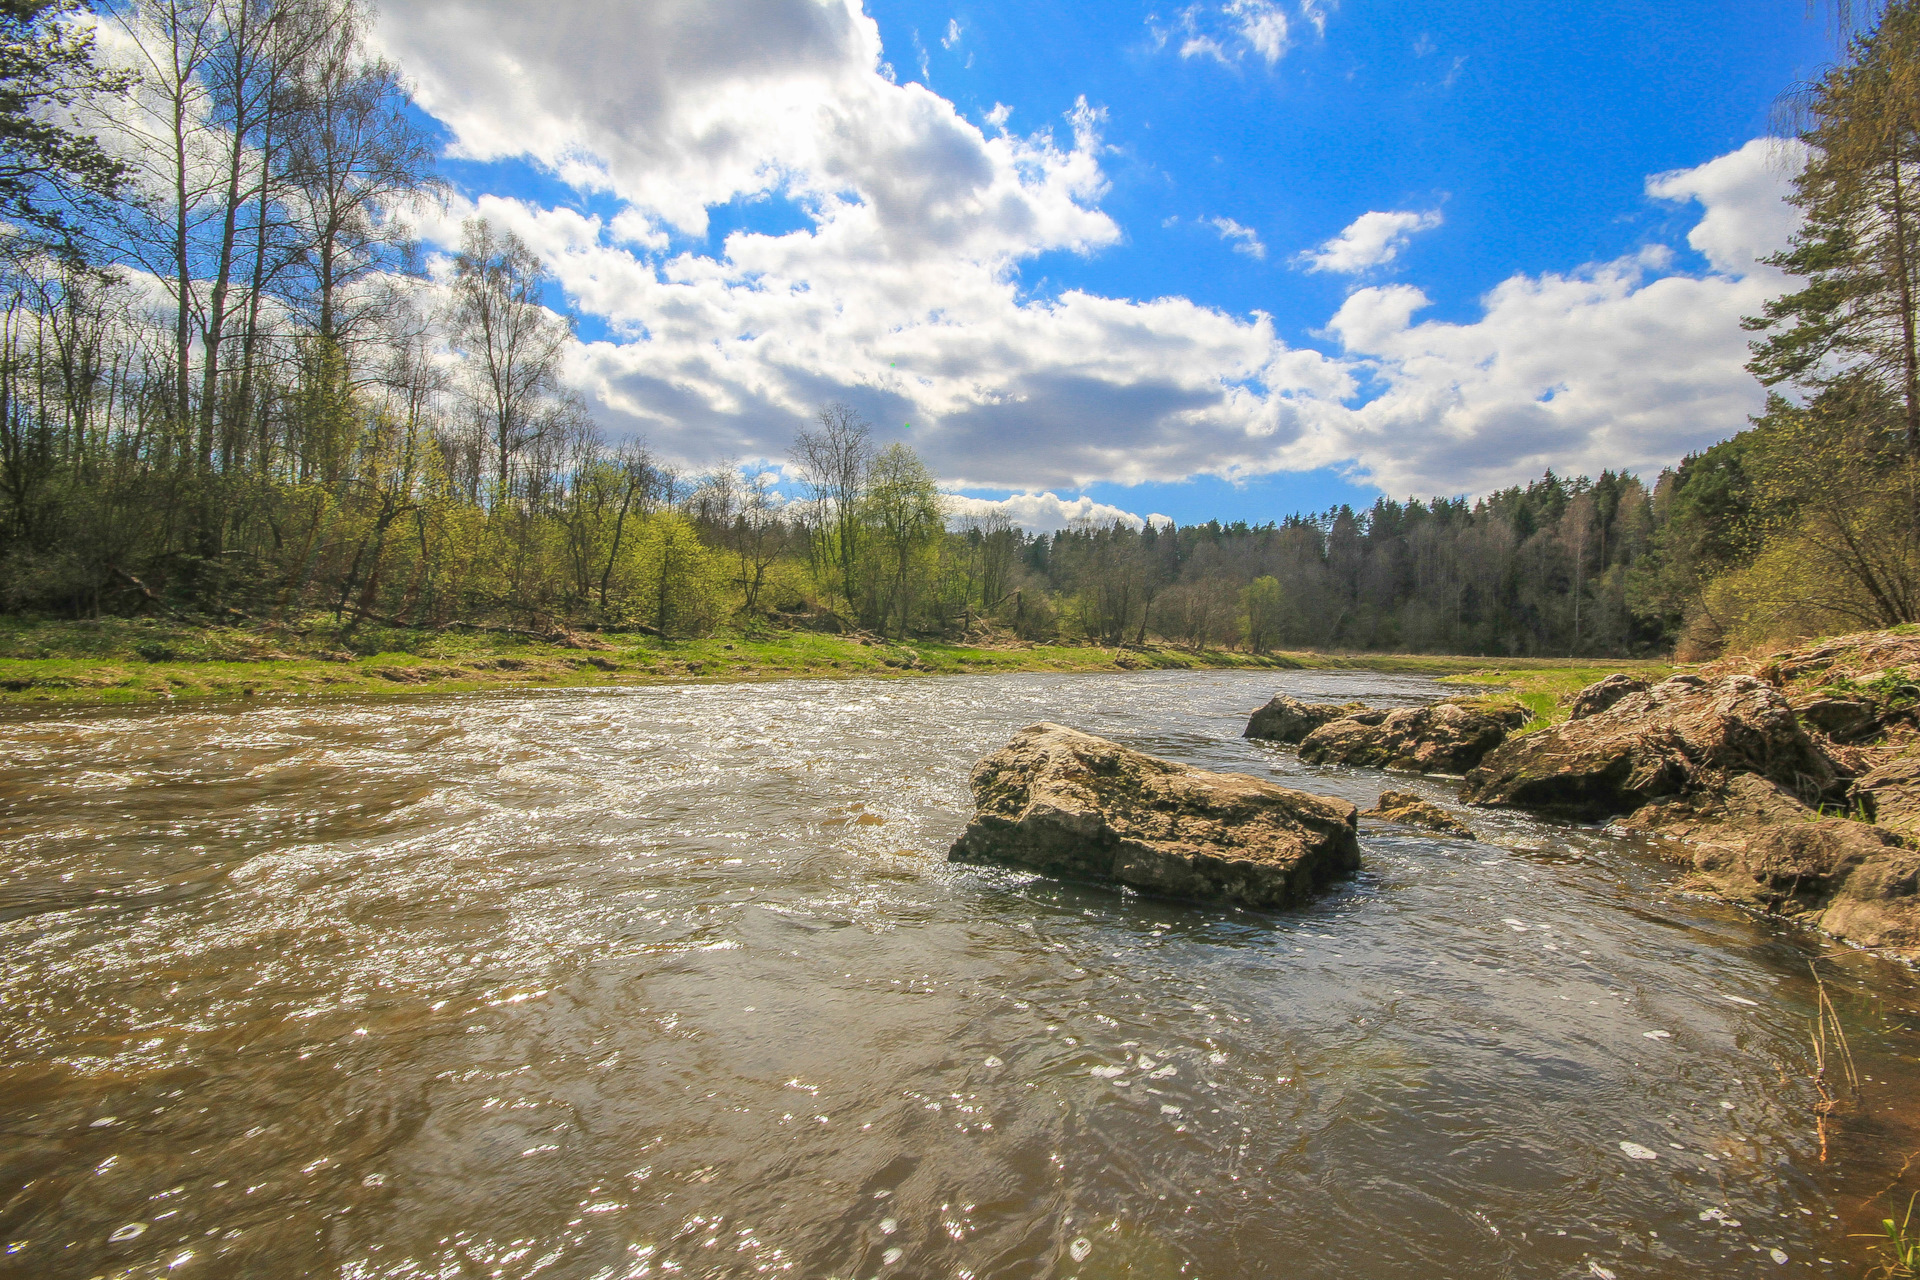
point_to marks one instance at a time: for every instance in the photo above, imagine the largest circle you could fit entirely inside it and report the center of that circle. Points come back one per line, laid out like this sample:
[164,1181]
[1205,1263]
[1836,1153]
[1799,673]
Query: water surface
[674,981]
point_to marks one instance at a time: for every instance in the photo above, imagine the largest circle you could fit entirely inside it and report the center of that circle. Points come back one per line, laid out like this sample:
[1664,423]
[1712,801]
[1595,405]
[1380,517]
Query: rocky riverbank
[1789,782]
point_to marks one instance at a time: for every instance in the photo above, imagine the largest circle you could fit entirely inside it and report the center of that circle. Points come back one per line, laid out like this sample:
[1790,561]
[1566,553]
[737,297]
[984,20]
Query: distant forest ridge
[228,389]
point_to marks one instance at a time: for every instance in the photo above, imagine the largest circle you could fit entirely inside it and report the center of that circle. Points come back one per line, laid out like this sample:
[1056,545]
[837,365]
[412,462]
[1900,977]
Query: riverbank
[135,660]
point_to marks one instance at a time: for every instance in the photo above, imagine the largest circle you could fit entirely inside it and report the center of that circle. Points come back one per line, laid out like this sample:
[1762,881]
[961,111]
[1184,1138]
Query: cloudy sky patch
[751,214]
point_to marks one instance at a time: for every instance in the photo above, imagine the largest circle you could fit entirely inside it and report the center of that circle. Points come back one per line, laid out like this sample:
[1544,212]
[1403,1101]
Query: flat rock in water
[1441,737]
[1410,810]
[1287,719]
[1071,805]
[1680,736]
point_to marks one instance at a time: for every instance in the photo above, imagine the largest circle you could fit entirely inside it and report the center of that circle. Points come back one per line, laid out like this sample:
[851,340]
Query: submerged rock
[1287,719]
[1410,810]
[1441,737]
[1601,694]
[1068,804]
[1680,736]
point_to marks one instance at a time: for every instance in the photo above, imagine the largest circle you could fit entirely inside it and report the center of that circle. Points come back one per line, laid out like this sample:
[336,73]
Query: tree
[1262,609]
[1858,248]
[902,511]
[834,458]
[355,154]
[53,177]
[511,344]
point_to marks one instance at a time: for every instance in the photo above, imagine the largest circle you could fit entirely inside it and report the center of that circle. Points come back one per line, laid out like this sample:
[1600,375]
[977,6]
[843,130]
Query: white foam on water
[992,1061]
[888,1226]
[1600,1271]
[1637,1152]
[1105,1073]
[1658,1035]
[892,1256]
[1080,1249]
[1751,1004]
[1778,1255]
[132,1231]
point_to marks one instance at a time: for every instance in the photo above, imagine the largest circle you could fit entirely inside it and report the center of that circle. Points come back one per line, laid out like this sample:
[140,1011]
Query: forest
[233,388]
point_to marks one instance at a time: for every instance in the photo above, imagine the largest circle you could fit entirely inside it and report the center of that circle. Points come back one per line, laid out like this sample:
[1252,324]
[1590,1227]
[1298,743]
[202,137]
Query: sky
[1235,259]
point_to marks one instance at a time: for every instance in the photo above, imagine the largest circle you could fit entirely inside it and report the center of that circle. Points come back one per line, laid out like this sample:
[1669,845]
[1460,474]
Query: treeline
[229,388]
[1809,521]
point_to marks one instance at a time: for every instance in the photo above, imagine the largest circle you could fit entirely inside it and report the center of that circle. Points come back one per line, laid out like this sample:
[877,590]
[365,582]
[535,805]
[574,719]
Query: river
[674,981]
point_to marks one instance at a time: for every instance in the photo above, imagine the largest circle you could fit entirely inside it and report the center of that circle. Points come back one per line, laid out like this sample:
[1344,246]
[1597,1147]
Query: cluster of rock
[1068,804]
[1727,766]
[1792,785]
[1449,736]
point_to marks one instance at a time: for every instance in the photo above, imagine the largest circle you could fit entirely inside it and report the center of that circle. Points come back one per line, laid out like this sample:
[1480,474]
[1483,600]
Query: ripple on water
[664,980]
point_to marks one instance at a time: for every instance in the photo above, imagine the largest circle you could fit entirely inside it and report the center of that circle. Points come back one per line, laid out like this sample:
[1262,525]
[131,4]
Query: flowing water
[675,981]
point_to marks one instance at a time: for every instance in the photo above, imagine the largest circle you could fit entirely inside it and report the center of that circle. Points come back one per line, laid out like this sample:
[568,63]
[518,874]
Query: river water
[674,981]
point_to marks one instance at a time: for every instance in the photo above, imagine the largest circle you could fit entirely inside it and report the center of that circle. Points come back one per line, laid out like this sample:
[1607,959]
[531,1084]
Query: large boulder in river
[1287,719]
[1441,737]
[1068,804]
[1680,736]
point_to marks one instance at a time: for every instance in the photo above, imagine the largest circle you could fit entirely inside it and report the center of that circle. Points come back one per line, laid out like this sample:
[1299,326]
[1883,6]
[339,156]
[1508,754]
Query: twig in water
[1829,1048]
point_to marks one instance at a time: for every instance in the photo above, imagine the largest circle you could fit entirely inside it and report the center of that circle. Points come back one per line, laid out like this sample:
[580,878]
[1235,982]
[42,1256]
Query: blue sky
[1069,242]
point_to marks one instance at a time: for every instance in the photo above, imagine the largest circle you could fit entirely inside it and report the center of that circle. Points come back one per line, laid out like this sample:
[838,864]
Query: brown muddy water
[675,982]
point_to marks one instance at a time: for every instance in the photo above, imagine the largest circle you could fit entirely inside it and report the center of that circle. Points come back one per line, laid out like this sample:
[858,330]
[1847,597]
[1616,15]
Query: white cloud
[1046,512]
[1621,364]
[1229,33]
[1243,239]
[1370,240]
[1745,218]
[952,37]
[901,294]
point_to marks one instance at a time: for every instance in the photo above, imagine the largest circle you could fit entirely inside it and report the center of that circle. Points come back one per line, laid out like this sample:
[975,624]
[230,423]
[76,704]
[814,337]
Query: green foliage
[678,584]
[1262,613]
[1899,1247]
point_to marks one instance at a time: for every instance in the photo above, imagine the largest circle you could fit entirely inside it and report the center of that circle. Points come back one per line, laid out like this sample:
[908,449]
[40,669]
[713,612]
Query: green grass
[130,660]
[1543,686]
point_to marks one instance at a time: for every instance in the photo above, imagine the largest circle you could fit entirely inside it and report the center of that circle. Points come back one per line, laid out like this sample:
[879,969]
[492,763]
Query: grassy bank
[128,660]
[1543,686]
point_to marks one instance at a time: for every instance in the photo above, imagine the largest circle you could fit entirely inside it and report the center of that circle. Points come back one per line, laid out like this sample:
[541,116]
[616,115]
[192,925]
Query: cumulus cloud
[1047,512]
[1745,218]
[901,293]
[1243,239]
[1370,240]
[1619,364]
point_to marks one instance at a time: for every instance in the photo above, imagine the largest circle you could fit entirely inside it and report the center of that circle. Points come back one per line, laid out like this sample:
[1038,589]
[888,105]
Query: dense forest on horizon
[230,388]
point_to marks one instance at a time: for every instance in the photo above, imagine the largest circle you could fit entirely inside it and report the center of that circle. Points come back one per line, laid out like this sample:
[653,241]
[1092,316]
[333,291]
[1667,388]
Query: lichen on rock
[1451,736]
[1409,810]
[1068,804]
[1286,719]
